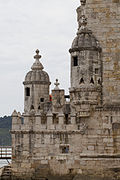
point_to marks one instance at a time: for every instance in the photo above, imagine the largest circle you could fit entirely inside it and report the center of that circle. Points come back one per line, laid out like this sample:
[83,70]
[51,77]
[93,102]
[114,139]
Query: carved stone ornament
[83,22]
[56,85]
[82,128]
[83,2]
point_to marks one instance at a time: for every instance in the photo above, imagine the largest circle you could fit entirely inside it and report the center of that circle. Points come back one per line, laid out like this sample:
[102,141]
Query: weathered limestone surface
[77,139]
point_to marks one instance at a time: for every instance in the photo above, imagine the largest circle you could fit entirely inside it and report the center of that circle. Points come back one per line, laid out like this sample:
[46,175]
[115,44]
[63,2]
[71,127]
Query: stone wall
[92,150]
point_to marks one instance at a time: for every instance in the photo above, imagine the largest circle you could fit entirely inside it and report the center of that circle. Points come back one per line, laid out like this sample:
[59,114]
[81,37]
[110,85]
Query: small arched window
[41,99]
[75,61]
[27,91]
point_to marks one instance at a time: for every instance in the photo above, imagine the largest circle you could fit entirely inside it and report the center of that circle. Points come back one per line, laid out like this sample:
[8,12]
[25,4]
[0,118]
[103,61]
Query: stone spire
[37,64]
[56,85]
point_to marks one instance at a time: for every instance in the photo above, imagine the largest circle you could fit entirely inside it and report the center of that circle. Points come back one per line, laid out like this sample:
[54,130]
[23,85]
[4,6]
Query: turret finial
[56,85]
[37,56]
[37,64]
[83,22]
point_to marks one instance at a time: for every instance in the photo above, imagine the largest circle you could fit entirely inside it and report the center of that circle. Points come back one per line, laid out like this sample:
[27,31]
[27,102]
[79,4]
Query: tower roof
[37,75]
[85,40]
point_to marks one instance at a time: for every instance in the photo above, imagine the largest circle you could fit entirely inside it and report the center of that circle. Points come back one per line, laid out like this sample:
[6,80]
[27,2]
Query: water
[5,152]
[4,162]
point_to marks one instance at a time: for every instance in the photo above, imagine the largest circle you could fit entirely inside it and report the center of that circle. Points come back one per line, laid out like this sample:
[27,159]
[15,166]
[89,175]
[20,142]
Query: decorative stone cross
[37,56]
[83,22]
[56,85]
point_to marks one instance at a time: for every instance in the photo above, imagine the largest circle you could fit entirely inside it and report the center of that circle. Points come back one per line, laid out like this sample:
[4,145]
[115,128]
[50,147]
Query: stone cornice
[36,82]
[86,89]
[85,48]
[111,107]
[46,132]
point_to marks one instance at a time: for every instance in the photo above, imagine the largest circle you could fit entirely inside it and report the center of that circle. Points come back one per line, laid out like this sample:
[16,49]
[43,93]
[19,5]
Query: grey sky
[25,25]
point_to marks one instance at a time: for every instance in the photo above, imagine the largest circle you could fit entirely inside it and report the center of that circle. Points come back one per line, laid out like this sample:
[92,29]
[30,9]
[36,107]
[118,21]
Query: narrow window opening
[65,149]
[66,119]
[81,80]
[92,81]
[99,82]
[27,91]
[22,120]
[75,61]
[38,107]
[96,70]
[41,99]
[111,119]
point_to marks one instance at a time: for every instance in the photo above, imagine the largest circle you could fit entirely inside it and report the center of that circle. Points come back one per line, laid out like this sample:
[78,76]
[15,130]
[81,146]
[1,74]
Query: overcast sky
[25,25]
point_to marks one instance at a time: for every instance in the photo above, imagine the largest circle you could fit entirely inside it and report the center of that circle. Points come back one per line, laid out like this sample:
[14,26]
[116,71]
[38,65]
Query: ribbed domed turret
[86,66]
[37,84]
[37,74]
[85,40]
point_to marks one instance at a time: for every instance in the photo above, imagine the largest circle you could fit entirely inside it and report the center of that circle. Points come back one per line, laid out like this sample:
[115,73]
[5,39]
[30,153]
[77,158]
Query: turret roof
[37,75]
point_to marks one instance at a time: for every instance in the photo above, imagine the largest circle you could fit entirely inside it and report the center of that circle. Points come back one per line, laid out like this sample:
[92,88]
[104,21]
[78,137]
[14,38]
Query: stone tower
[80,138]
[103,18]
[86,71]
[36,96]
